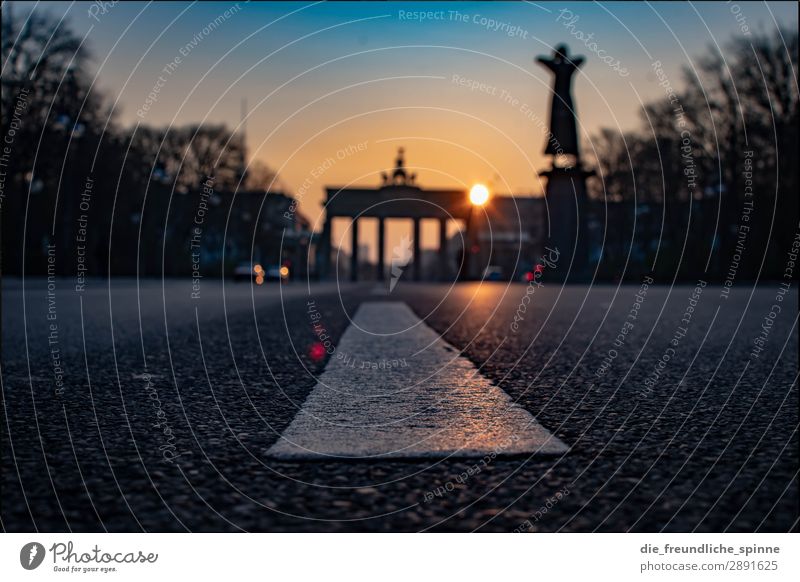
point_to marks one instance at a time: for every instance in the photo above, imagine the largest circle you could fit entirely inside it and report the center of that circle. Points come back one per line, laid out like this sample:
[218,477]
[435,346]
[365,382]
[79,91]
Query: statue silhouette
[564,136]
[399,176]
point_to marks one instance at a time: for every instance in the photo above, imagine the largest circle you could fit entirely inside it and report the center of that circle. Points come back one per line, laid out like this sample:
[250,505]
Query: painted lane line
[395,389]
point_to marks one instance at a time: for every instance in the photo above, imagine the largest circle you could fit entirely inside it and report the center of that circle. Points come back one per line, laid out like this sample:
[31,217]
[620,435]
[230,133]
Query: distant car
[258,274]
[493,273]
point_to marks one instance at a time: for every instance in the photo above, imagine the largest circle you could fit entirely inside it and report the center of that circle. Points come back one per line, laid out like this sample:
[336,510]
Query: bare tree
[188,156]
[260,177]
[55,116]
[732,129]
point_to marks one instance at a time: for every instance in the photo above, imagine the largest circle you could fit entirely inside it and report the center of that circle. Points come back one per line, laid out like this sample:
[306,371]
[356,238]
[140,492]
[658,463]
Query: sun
[479,195]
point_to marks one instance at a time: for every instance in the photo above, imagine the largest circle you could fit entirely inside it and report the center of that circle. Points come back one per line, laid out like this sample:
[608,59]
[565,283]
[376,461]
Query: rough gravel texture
[181,445]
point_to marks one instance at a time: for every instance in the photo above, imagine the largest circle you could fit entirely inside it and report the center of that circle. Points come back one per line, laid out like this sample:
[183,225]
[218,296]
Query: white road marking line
[406,393]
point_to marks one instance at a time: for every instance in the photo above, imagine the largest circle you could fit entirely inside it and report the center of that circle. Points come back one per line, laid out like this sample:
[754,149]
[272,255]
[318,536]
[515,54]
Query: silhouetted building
[227,230]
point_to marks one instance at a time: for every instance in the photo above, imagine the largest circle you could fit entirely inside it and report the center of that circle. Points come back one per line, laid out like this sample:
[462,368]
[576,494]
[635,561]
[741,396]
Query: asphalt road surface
[134,407]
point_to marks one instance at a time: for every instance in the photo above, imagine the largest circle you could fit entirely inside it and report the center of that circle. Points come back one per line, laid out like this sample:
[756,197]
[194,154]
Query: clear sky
[459,89]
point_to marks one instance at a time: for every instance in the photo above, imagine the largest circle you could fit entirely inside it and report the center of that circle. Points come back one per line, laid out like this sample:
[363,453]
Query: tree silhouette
[736,108]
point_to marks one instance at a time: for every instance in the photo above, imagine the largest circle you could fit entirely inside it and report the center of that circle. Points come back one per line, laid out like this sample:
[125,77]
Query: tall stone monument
[566,178]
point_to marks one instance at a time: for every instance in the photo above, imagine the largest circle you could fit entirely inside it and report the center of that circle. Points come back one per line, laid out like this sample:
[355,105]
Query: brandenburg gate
[397,197]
